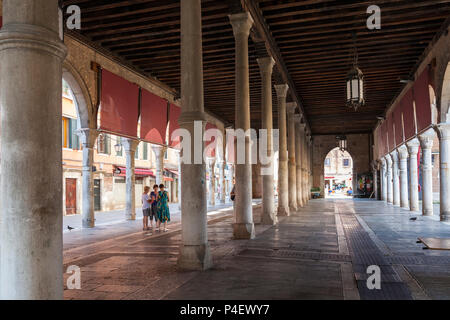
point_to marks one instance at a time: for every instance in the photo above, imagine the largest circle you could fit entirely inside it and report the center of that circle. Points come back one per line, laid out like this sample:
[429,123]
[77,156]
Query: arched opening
[338,174]
[445,96]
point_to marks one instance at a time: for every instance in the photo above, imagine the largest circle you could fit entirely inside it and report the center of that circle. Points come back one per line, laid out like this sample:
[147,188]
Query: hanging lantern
[342,142]
[355,88]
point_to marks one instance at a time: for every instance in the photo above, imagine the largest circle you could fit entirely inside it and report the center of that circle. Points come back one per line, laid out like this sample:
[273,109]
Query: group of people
[155,206]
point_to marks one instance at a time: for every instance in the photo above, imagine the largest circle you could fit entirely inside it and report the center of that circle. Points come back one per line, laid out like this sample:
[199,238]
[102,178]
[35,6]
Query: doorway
[71,196]
[97,195]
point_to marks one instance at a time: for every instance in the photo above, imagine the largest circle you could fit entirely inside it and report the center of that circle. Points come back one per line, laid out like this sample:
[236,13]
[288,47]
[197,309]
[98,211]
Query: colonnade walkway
[320,252]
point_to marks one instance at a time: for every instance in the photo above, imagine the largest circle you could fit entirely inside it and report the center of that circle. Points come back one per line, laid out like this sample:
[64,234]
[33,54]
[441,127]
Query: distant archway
[338,174]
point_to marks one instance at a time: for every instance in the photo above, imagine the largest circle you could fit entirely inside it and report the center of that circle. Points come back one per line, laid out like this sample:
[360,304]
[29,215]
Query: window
[136,153]
[327,162]
[145,151]
[119,142]
[346,162]
[104,143]
[70,138]
[166,155]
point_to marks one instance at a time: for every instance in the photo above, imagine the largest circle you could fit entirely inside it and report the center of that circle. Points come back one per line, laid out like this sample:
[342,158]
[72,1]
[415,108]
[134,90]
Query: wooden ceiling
[314,39]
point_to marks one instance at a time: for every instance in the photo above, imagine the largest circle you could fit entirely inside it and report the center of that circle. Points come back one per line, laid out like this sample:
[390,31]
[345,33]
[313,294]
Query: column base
[195,258]
[283,212]
[292,208]
[269,220]
[129,217]
[88,223]
[427,212]
[243,231]
[445,216]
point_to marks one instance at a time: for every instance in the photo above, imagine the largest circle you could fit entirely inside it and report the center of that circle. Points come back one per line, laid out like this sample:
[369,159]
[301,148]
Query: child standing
[145,208]
[163,208]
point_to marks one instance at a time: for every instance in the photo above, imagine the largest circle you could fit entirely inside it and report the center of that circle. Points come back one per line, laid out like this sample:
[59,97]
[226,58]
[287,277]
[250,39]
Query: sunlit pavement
[320,252]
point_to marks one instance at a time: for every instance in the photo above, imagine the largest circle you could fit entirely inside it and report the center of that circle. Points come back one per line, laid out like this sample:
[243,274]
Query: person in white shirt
[146,208]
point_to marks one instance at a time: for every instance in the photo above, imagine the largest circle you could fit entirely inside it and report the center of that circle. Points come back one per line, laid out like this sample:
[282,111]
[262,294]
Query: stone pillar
[159,151]
[88,138]
[179,179]
[383,179]
[444,156]
[375,179]
[212,182]
[194,250]
[292,179]
[283,180]
[305,185]
[426,144]
[130,146]
[413,150]
[404,193]
[243,228]
[310,167]
[390,194]
[31,56]
[223,179]
[395,178]
[299,144]
[268,216]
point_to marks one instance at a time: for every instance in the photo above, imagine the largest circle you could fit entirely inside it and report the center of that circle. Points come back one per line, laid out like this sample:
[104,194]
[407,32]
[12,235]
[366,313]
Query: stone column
[413,150]
[310,167]
[159,151]
[88,138]
[426,144]
[243,228]
[299,144]
[292,179]
[31,56]
[395,178]
[212,182]
[375,178]
[194,250]
[268,216]
[444,156]
[404,193]
[223,179]
[305,186]
[283,180]
[130,146]
[179,179]
[390,194]
[383,179]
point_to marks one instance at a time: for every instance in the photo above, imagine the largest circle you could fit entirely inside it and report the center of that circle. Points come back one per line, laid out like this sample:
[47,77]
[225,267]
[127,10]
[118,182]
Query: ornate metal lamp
[355,85]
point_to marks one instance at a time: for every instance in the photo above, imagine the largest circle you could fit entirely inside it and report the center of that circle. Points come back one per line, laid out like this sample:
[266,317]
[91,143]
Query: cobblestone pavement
[320,252]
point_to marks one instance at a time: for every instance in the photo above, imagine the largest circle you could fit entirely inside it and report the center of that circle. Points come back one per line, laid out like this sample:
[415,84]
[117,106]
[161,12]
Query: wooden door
[71,196]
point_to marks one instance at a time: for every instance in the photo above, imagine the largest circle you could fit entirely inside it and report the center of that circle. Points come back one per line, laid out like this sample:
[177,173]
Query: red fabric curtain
[408,115]
[153,118]
[390,132]
[397,114]
[174,114]
[119,105]
[422,99]
[212,151]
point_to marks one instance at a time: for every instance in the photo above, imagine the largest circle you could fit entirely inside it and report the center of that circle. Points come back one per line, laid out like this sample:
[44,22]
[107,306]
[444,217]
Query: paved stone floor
[320,252]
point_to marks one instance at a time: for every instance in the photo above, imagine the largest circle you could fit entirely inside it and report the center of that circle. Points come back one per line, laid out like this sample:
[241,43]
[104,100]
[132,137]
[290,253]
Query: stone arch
[444,96]
[83,101]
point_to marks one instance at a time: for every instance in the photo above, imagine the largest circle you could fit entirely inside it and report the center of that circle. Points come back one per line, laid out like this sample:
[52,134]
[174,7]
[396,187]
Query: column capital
[88,137]
[413,146]
[443,130]
[388,160]
[394,156]
[266,65]
[403,152]
[290,107]
[383,162]
[241,23]
[130,145]
[281,90]
[426,139]
[375,164]
[297,119]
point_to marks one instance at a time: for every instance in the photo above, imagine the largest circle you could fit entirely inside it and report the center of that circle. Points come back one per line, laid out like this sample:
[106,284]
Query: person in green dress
[163,208]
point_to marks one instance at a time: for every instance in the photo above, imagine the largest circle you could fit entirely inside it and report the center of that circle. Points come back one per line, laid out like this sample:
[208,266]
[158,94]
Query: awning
[138,172]
[172,171]
[168,179]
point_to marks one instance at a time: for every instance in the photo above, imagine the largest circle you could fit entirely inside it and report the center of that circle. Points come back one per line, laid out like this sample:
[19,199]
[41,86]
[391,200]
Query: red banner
[119,105]
[153,118]
[422,100]
[174,114]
